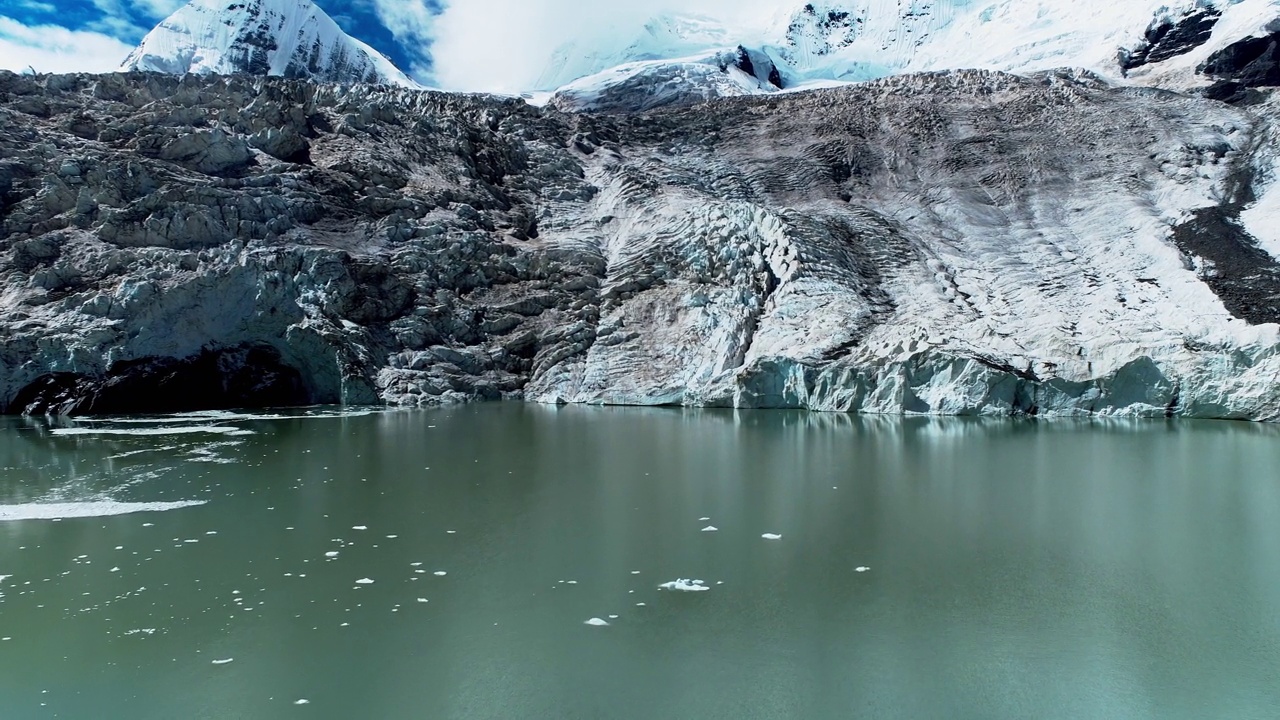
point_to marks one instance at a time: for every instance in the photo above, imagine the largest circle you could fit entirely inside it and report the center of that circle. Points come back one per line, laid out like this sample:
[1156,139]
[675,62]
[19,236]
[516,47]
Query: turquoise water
[1008,569]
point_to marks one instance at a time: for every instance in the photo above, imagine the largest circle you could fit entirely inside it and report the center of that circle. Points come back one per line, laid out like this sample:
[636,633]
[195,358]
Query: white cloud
[504,45]
[160,9]
[411,23]
[55,49]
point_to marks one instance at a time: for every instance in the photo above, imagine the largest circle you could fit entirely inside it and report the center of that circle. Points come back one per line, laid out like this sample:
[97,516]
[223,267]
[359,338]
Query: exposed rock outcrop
[964,242]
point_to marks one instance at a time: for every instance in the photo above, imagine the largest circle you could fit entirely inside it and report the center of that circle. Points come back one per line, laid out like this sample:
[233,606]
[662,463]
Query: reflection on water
[447,564]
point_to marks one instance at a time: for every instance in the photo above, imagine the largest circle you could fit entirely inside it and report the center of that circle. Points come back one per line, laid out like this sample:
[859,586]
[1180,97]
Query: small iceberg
[596,622]
[684,585]
[771,536]
[711,528]
[364,581]
[224,662]
[861,568]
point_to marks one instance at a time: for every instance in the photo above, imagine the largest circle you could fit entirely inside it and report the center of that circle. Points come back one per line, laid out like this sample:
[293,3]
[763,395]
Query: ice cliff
[954,242]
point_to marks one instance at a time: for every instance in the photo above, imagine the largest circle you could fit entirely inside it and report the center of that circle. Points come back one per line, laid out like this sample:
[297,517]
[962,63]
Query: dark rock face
[1166,39]
[759,66]
[1245,277]
[245,377]
[1250,63]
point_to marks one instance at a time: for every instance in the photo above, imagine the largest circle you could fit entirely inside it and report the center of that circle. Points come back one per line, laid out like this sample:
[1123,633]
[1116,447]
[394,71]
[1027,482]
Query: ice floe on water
[596,622]
[711,528]
[684,585]
[771,536]
[223,662]
[95,508]
[441,573]
[861,568]
[182,430]
[364,581]
[302,701]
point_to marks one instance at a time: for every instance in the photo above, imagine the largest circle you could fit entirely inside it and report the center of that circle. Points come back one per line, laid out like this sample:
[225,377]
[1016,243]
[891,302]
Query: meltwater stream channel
[513,561]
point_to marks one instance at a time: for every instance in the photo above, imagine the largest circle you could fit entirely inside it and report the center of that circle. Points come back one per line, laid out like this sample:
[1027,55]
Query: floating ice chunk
[115,569]
[861,568]
[422,600]
[418,564]
[639,604]
[223,662]
[452,532]
[331,554]
[440,573]
[359,527]
[302,701]
[684,585]
[596,622]
[771,536]
[613,617]
[707,519]
[104,508]
[635,572]
[392,537]
[364,581]
[711,528]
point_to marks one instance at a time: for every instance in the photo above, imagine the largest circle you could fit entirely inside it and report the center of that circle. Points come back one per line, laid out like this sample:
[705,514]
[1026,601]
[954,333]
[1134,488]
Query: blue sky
[88,35]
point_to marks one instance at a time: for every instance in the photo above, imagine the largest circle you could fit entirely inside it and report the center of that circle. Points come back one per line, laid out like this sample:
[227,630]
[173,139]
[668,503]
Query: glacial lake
[446,564]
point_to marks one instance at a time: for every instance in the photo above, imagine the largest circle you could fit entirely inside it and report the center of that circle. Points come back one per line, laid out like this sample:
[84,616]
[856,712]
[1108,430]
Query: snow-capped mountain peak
[1162,43]
[291,38]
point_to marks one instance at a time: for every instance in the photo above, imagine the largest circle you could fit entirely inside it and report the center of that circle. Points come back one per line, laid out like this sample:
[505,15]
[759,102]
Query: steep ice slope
[936,243]
[857,40]
[291,38]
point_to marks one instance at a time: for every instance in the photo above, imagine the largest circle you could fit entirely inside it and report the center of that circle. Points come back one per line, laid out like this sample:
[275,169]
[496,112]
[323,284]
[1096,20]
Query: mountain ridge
[288,38]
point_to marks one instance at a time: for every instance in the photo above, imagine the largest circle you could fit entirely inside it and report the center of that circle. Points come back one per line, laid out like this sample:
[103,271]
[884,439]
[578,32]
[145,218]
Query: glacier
[959,242]
[1020,208]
